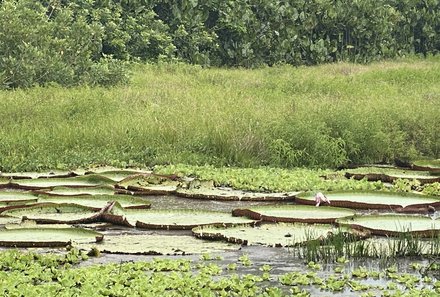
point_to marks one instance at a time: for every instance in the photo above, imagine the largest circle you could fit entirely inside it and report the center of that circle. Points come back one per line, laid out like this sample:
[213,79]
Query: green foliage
[40,46]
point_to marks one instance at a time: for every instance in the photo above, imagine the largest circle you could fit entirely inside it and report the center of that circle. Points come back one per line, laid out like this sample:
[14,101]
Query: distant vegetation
[86,42]
[283,116]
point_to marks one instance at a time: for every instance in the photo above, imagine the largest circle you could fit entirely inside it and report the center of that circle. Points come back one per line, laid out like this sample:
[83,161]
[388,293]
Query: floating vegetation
[156,244]
[43,183]
[47,237]
[169,219]
[400,202]
[52,213]
[295,213]
[280,234]
[394,225]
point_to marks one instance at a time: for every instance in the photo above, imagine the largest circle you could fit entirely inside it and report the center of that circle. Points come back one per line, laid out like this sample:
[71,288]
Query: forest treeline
[71,42]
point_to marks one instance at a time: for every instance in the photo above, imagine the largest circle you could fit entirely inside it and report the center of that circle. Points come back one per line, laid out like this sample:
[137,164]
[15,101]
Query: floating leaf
[401,202]
[170,219]
[35,175]
[295,213]
[97,202]
[51,213]
[154,244]
[46,237]
[393,225]
[151,184]
[66,191]
[280,234]
[80,181]
[389,175]
[116,175]
[236,195]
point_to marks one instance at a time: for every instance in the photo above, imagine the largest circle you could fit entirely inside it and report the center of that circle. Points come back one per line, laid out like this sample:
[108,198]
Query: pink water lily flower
[319,197]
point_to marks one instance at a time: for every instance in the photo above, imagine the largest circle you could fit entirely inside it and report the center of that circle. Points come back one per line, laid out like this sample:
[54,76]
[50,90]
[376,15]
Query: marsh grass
[323,116]
[386,249]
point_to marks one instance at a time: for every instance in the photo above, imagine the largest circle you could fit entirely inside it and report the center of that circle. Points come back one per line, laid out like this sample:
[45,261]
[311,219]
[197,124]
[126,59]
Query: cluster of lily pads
[109,209]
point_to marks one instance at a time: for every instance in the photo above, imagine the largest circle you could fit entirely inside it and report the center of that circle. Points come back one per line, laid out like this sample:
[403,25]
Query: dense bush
[64,41]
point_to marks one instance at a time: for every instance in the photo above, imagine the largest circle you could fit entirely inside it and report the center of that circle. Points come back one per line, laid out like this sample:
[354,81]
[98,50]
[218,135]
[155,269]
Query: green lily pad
[169,219]
[394,225]
[45,237]
[151,184]
[295,213]
[51,213]
[4,220]
[35,175]
[80,181]
[15,197]
[428,164]
[280,234]
[236,195]
[390,174]
[401,202]
[154,244]
[97,202]
[66,191]
[116,175]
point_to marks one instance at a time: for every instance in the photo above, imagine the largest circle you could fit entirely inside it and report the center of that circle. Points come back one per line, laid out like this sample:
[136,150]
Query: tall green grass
[323,116]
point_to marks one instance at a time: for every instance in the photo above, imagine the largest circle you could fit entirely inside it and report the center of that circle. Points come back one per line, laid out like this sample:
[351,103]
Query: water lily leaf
[80,181]
[46,237]
[52,213]
[151,184]
[170,219]
[4,220]
[432,165]
[280,234]
[231,194]
[295,213]
[390,175]
[400,202]
[15,197]
[97,202]
[67,191]
[116,175]
[35,175]
[394,225]
[156,244]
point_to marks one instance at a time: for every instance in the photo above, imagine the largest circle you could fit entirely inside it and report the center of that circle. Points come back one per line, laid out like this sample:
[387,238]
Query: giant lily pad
[295,213]
[231,194]
[34,175]
[151,184]
[400,202]
[394,225]
[169,219]
[15,197]
[4,220]
[97,202]
[80,181]
[67,191]
[52,213]
[154,244]
[390,175]
[45,237]
[280,234]
[432,165]
[117,175]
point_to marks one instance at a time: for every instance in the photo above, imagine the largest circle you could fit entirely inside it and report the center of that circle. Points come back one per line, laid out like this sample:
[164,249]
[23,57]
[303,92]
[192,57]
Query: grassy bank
[322,116]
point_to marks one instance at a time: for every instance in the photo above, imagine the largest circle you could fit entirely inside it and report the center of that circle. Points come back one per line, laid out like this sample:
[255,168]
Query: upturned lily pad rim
[92,217]
[139,203]
[123,219]
[235,195]
[84,181]
[45,243]
[258,213]
[356,223]
[308,199]
[212,232]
